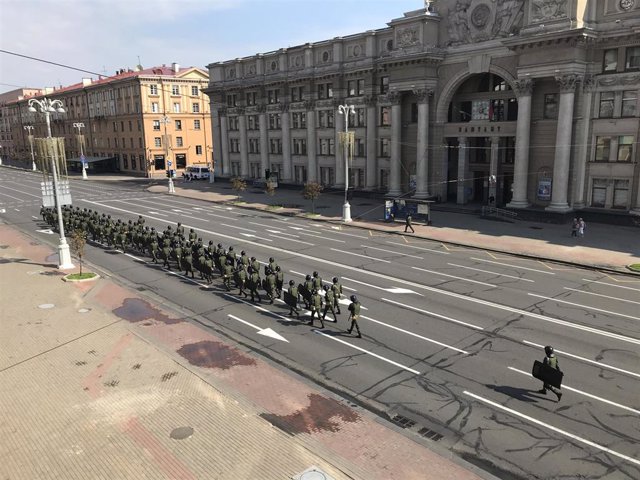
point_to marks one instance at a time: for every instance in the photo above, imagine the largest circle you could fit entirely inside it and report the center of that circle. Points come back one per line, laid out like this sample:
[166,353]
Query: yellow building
[135,122]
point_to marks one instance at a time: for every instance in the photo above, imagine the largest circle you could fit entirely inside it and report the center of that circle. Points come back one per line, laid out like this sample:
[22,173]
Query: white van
[197,172]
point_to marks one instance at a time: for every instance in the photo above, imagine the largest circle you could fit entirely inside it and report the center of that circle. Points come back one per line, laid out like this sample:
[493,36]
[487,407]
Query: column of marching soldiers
[189,253]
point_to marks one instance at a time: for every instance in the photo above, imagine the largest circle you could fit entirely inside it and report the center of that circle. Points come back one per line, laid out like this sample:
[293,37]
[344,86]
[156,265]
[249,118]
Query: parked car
[198,172]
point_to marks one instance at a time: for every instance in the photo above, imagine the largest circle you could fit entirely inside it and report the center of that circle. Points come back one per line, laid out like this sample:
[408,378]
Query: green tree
[311,191]
[239,185]
[78,241]
[269,189]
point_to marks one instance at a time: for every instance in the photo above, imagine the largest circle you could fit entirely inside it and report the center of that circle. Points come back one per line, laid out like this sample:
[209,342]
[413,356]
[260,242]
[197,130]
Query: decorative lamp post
[47,106]
[29,128]
[165,120]
[80,126]
[347,146]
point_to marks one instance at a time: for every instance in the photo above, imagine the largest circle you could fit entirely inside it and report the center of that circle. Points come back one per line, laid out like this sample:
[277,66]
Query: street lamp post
[212,177]
[346,110]
[47,106]
[29,128]
[80,126]
[0,156]
[165,120]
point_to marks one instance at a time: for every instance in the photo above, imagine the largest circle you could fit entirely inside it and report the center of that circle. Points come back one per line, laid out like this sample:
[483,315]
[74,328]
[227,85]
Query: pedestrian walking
[337,294]
[550,360]
[581,226]
[574,227]
[407,223]
[291,298]
[354,315]
[316,307]
[329,303]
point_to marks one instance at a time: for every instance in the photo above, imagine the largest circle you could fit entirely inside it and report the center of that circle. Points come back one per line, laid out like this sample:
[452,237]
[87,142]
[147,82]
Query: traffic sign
[170,162]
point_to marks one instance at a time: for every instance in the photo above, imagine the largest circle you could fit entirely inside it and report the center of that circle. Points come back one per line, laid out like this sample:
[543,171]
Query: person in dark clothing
[551,360]
[354,315]
[407,224]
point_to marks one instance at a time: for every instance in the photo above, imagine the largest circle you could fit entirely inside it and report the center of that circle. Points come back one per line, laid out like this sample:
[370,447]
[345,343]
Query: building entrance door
[479,187]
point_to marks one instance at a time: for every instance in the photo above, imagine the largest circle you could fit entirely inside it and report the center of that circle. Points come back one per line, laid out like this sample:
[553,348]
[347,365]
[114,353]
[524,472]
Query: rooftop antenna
[139,63]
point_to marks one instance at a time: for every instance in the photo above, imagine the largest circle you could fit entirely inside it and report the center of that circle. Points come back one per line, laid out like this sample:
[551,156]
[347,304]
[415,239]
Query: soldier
[193,236]
[43,212]
[550,360]
[272,265]
[180,229]
[307,291]
[244,259]
[294,296]
[153,245]
[270,285]
[177,254]
[279,281]
[255,264]
[316,306]
[254,284]
[337,293]
[241,279]
[187,261]
[207,269]
[354,314]
[166,252]
[317,281]
[329,303]
[227,274]
[122,239]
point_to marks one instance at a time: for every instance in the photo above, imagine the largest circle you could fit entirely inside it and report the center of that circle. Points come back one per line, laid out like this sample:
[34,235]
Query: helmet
[267,271]
[326,287]
[291,282]
[253,259]
[191,230]
[231,249]
[271,259]
[219,245]
[277,268]
[229,262]
[242,252]
[354,298]
[308,277]
[315,274]
[335,279]
[548,350]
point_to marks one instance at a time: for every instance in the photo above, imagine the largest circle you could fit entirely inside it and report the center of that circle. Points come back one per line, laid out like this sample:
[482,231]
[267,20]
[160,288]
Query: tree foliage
[312,191]
[239,185]
[77,243]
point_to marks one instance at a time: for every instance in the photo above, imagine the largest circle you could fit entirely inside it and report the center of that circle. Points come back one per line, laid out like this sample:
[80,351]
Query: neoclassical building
[518,102]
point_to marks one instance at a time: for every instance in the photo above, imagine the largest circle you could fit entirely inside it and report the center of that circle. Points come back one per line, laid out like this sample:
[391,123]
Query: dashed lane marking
[600,295]
[581,305]
[621,280]
[433,314]
[363,256]
[391,251]
[611,285]
[457,278]
[511,266]
[492,273]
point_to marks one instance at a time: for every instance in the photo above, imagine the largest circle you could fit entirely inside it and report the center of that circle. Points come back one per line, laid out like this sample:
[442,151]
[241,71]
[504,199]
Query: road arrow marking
[390,290]
[157,213]
[48,231]
[267,332]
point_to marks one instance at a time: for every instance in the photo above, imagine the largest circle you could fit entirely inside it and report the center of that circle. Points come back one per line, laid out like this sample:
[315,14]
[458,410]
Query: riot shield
[547,374]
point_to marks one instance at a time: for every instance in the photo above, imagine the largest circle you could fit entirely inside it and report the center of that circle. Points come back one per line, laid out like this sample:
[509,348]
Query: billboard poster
[544,189]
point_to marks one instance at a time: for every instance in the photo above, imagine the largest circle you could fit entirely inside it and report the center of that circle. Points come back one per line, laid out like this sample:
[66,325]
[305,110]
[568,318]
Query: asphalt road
[449,334]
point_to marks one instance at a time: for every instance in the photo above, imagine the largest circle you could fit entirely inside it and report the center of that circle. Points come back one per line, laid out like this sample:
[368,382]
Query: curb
[80,280]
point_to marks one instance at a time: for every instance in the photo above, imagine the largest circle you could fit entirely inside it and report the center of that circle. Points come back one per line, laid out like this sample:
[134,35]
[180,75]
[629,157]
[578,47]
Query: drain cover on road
[312,473]
[181,433]
[44,306]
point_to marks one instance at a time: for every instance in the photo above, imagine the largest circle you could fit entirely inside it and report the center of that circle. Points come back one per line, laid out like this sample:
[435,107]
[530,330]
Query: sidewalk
[603,246]
[99,382]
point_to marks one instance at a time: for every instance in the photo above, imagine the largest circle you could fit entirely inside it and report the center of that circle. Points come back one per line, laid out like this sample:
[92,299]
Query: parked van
[197,172]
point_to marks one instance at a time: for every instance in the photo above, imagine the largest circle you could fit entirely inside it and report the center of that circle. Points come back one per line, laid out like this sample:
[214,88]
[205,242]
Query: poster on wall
[544,189]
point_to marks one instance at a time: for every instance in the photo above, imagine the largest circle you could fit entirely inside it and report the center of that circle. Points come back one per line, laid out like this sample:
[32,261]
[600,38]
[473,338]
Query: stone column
[422,159]
[562,157]
[287,161]
[493,169]
[312,161]
[264,140]
[519,199]
[463,161]
[339,153]
[224,143]
[244,154]
[216,134]
[582,130]
[395,189]
[372,151]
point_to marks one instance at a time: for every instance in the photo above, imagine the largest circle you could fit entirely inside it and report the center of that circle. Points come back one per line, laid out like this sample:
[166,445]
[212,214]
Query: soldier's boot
[543,391]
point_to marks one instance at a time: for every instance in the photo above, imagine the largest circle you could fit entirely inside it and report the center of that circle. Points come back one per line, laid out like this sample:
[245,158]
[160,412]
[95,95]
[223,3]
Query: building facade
[7,147]
[134,122]
[513,102]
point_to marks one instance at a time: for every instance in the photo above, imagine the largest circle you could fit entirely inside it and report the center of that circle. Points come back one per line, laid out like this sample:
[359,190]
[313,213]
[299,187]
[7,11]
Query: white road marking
[239,228]
[267,332]
[257,307]
[251,235]
[551,427]
[583,306]
[390,290]
[278,232]
[419,248]
[17,209]
[512,266]
[363,256]
[158,213]
[492,273]
[11,196]
[611,285]
[391,251]
[261,224]
[34,217]
[587,360]
[571,389]
[435,290]
[426,339]
[368,352]
[22,191]
[338,233]
[433,314]
[295,240]
[457,278]
[600,295]
[324,237]
[47,231]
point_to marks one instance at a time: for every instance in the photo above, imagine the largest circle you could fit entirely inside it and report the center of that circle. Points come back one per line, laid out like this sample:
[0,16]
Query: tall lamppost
[0,156]
[346,110]
[212,173]
[29,128]
[80,126]
[165,120]
[47,106]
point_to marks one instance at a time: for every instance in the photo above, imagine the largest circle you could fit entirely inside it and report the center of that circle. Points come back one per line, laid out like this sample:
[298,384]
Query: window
[254,145]
[297,94]
[327,176]
[176,108]
[156,125]
[125,161]
[299,119]
[610,62]
[360,148]
[500,85]
[198,149]
[620,193]
[175,89]
[625,148]
[384,147]
[384,85]
[325,90]
[355,88]
[512,110]
[252,122]
[385,116]
[598,192]
[133,162]
[130,126]
[274,121]
[232,100]
[300,173]
[251,98]
[275,145]
[603,149]
[178,124]
[606,104]
[633,58]
[273,96]
[179,142]
[359,118]
[115,126]
[551,106]
[327,146]
[196,124]
[496,111]
[194,91]
[325,118]
[629,102]
[157,141]
[233,123]
[234,145]
[195,108]
[154,107]
[299,146]
[153,89]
